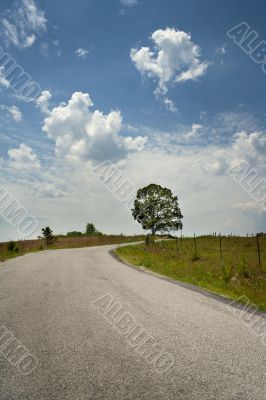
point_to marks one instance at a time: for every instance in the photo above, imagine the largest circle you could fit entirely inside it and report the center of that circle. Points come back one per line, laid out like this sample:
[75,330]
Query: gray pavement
[46,303]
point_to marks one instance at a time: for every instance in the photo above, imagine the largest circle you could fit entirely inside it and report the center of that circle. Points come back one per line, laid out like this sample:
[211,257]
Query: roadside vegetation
[49,240]
[231,266]
[227,265]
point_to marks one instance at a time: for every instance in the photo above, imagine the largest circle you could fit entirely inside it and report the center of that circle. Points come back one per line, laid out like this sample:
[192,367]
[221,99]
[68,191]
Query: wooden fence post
[258,249]
[176,245]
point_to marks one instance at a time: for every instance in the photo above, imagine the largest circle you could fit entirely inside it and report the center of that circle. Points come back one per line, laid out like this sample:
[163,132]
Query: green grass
[30,246]
[238,274]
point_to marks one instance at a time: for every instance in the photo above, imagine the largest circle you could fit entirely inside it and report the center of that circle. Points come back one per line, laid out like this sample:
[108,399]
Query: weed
[195,256]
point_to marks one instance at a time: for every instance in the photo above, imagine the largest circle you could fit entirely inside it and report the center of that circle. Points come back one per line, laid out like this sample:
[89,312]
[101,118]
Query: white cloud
[195,70]
[174,58]
[23,158]
[169,104]
[250,147]
[193,133]
[13,111]
[48,189]
[184,160]
[82,53]
[23,23]
[136,144]
[248,206]
[217,163]
[16,113]
[244,146]
[42,101]
[221,50]
[210,199]
[44,49]
[79,132]
[176,140]
[3,81]
[129,3]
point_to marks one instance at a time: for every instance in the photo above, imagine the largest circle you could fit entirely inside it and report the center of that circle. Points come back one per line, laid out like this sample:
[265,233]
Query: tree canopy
[48,236]
[157,209]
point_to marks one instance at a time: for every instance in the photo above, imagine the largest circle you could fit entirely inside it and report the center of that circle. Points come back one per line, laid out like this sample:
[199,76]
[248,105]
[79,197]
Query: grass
[21,247]
[237,274]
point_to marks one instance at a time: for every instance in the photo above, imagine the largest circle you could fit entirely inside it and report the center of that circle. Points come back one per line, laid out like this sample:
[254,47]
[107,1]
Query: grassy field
[29,246]
[237,274]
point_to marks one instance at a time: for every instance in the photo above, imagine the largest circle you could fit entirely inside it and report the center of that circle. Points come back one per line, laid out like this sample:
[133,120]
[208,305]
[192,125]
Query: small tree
[90,229]
[157,209]
[11,246]
[48,236]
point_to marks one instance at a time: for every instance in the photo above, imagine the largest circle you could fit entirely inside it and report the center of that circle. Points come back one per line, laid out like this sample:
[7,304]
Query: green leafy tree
[90,229]
[48,236]
[157,209]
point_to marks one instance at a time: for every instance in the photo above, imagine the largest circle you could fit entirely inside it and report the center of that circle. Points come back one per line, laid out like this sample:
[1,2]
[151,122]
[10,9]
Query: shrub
[11,246]
[195,256]
[74,234]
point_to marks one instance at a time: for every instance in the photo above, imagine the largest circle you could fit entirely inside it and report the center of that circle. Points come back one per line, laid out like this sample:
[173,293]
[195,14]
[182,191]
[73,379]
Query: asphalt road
[50,302]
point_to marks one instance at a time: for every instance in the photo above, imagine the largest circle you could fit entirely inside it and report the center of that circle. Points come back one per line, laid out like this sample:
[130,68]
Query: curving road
[64,307]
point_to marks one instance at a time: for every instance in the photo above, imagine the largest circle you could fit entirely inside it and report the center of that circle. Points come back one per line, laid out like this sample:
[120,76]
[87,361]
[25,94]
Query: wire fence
[231,250]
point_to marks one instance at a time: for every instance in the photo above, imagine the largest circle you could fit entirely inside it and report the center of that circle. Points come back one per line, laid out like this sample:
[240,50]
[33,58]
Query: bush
[11,246]
[74,234]
[195,256]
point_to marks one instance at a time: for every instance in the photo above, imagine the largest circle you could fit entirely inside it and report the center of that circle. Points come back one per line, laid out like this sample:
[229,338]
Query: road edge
[207,293]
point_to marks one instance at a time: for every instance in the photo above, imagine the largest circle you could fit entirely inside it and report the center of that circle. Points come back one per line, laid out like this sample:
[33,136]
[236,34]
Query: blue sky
[157,87]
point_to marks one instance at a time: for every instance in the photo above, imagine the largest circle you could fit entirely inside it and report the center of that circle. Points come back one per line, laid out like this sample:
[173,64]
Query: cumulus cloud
[135,144]
[13,111]
[194,132]
[174,58]
[250,147]
[22,24]
[244,146]
[197,174]
[218,162]
[42,101]
[82,53]
[23,158]
[80,132]
[220,153]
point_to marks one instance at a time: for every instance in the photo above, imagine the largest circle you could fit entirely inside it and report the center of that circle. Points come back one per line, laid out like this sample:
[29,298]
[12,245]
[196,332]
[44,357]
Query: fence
[230,249]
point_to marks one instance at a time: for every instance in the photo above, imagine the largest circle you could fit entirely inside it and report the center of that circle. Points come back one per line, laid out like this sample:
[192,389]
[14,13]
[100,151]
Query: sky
[170,92]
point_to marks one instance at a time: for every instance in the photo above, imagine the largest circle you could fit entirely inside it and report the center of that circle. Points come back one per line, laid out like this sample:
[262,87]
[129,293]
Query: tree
[90,229]
[48,236]
[157,209]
